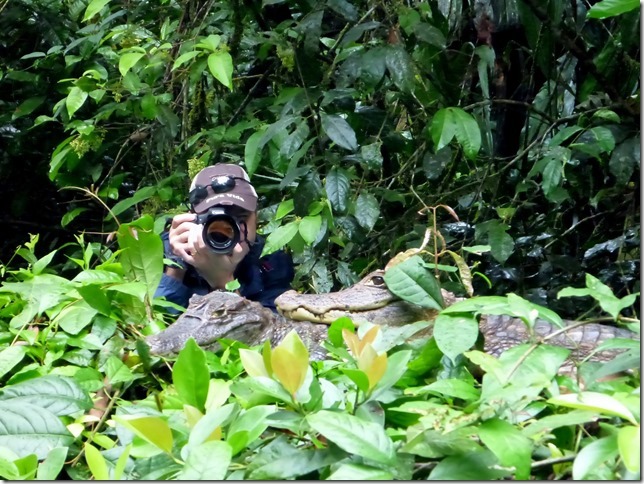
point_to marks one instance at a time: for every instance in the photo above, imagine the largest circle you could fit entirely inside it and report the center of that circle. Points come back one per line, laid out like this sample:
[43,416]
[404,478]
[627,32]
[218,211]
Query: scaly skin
[226,315]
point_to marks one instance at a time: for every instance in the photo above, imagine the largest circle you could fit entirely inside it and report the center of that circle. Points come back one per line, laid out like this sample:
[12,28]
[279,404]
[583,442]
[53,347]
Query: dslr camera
[221,229]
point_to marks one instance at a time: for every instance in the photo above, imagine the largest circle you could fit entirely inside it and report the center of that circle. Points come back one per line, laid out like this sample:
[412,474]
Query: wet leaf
[339,131]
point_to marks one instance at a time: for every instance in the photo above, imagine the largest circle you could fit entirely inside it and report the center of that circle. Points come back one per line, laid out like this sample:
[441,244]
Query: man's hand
[186,241]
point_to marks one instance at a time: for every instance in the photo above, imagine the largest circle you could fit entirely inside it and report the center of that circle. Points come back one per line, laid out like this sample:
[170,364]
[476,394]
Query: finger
[177,220]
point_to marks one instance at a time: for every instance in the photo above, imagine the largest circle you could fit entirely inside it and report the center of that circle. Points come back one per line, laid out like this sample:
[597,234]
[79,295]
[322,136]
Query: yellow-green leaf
[75,99]
[93,8]
[600,402]
[154,430]
[96,463]
[218,393]
[221,67]
[288,370]
[193,415]
[128,60]
[252,362]
[629,444]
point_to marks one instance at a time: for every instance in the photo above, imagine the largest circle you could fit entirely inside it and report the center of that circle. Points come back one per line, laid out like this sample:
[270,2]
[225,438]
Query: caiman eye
[378,281]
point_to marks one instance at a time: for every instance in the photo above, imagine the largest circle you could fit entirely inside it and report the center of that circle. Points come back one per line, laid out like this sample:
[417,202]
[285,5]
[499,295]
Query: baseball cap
[224,184]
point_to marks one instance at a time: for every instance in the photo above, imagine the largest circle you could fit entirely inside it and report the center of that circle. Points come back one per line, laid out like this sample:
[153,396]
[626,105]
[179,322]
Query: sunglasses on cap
[219,184]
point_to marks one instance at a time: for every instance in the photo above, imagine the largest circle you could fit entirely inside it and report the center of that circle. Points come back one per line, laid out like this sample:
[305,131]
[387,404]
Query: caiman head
[367,300]
[211,317]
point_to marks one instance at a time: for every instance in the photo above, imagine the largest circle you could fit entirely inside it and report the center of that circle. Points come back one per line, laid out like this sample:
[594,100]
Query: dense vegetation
[502,137]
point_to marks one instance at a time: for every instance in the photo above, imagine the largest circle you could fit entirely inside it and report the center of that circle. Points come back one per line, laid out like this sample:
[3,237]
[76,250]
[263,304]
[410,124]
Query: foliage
[496,143]
[83,398]
[354,120]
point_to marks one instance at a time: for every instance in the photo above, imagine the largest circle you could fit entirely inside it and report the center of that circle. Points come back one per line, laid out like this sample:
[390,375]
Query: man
[202,268]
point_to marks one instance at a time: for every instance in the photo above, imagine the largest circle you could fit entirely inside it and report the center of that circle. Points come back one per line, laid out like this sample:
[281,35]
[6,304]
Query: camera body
[221,229]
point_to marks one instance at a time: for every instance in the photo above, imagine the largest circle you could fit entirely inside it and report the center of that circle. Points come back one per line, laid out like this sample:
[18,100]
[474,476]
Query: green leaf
[142,250]
[450,386]
[94,7]
[367,210]
[371,155]
[10,357]
[629,445]
[339,131]
[253,151]
[27,107]
[190,375]
[207,424]
[116,371]
[29,429]
[73,318]
[96,463]
[612,8]
[593,455]
[356,436]
[207,462]
[455,334]
[59,394]
[598,402]
[183,58]
[501,243]
[280,237]
[442,129]
[138,197]
[468,133]
[359,472]
[337,189]
[511,447]
[284,208]
[154,430]
[221,67]
[75,100]
[71,215]
[96,298]
[550,422]
[128,60]
[411,281]
[210,43]
[251,424]
[49,469]
[472,466]
[310,228]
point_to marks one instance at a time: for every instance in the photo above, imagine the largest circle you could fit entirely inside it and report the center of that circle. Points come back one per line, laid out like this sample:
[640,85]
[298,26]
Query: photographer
[217,242]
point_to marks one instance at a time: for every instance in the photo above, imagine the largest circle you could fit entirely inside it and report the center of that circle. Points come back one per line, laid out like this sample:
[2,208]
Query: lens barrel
[220,230]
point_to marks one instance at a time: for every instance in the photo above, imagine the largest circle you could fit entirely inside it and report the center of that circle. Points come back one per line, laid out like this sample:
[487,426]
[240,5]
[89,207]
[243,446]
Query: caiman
[227,315]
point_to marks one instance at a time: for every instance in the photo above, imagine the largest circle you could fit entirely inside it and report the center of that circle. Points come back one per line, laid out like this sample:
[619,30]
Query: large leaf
[59,394]
[471,466]
[221,67]
[280,237]
[191,376]
[207,462]
[10,357]
[154,430]
[511,447]
[75,100]
[411,281]
[94,7]
[142,252]
[594,401]
[629,444]
[468,133]
[612,8]
[29,429]
[593,455]
[455,334]
[442,129]
[356,436]
[310,228]
[339,131]
[337,189]
[359,472]
[128,60]
[367,210]
[138,197]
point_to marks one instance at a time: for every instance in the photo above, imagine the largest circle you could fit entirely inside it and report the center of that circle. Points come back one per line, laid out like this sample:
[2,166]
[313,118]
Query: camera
[221,230]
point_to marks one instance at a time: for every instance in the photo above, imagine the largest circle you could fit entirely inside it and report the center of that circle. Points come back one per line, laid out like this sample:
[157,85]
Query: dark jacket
[261,279]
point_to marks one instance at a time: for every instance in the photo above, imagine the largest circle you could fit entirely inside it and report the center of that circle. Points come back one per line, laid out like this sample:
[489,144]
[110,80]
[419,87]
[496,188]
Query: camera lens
[221,234]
